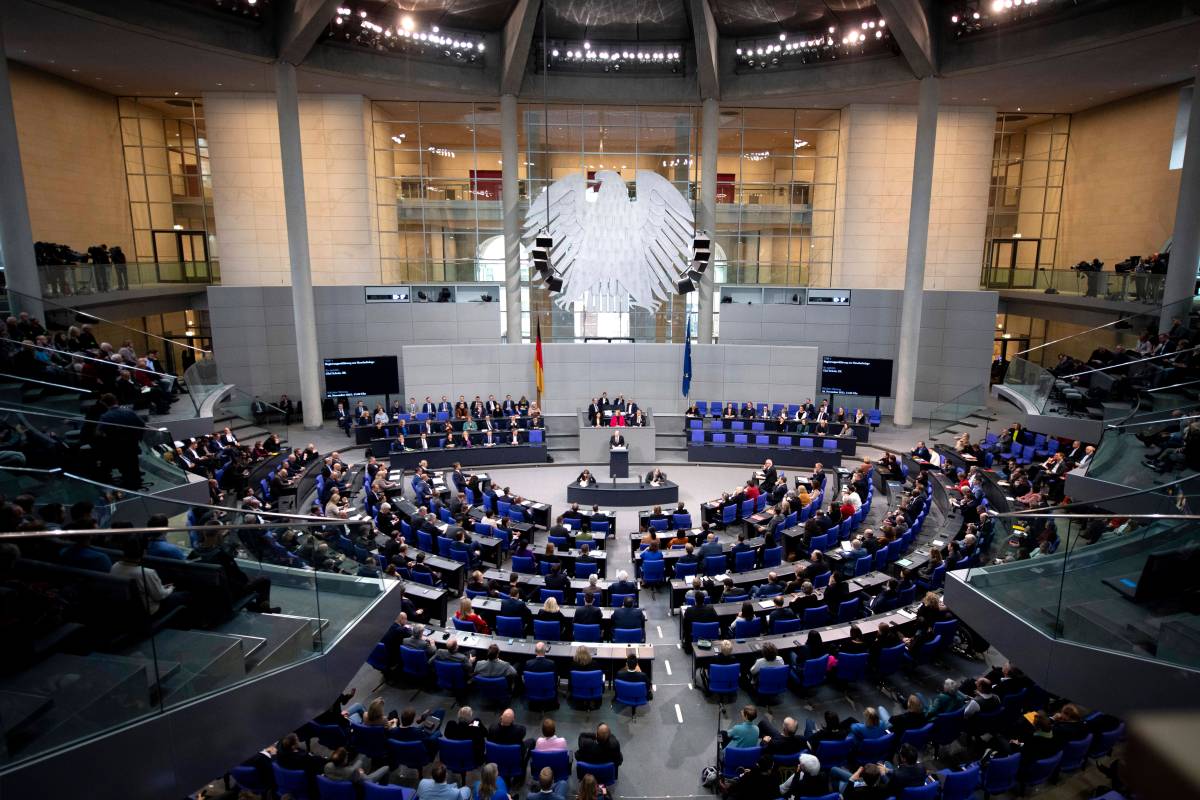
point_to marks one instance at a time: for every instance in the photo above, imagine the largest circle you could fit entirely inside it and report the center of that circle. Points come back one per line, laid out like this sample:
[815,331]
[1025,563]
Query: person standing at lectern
[617,440]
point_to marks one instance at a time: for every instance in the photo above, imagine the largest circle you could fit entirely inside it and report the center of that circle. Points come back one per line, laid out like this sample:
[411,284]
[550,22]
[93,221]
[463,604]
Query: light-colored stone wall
[70,140]
[243,132]
[1119,195]
[875,189]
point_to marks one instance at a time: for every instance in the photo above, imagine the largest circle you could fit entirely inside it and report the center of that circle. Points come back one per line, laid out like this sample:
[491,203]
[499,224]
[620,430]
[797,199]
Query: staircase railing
[92,655]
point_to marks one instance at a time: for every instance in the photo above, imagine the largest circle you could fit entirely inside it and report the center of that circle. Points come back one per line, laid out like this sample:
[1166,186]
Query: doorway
[181,256]
[1013,262]
[1004,349]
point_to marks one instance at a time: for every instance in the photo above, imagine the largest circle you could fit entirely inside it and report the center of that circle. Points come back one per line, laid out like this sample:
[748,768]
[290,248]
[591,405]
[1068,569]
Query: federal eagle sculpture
[611,251]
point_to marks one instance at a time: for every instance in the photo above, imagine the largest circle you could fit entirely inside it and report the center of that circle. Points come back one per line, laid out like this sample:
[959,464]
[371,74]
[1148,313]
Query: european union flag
[687,358]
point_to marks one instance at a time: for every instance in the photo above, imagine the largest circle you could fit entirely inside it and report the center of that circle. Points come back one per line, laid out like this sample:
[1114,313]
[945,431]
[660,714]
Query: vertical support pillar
[710,121]
[303,311]
[16,233]
[1180,284]
[918,239]
[510,191]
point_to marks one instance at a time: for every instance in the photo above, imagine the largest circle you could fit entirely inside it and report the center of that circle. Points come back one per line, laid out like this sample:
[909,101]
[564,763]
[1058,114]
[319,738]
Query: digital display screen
[870,377]
[365,375]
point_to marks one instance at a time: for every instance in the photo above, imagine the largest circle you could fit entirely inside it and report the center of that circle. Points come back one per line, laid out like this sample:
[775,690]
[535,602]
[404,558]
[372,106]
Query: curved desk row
[607,494]
[756,454]
[441,458]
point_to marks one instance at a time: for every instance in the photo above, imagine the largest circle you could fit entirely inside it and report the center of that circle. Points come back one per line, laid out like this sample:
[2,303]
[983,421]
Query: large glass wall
[776,195]
[170,187]
[1029,159]
[439,167]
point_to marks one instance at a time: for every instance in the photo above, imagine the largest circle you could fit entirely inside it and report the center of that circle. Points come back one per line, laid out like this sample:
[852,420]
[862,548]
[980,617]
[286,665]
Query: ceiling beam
[912,28]
[704,30]
[300,25]
[518,39]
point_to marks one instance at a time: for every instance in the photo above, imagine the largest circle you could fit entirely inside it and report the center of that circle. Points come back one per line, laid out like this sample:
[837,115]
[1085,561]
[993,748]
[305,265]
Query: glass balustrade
[946,415]
[118,625]
[1031,381]
[36,437]
[1128,287]
[1124,584]
[74,280]
[1146,453]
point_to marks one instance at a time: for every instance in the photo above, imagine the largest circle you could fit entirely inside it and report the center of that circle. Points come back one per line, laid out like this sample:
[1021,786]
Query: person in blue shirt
[548,788]
[435,787]
[158,546]
[745,733]
[874,724]
[490,785]
[81,555]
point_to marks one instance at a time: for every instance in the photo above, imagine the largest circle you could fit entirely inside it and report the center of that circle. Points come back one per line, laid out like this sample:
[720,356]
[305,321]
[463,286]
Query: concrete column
[303,313]
[16,234]
[510,192]
[710,122]
[1180,283]
[918,239]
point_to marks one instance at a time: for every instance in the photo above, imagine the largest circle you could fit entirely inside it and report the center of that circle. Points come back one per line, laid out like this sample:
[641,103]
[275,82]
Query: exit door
[181,256]
[1013,263]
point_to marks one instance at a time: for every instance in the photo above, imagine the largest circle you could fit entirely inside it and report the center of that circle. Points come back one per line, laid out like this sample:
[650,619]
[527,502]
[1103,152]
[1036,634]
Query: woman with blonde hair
[490,785]
[467,614]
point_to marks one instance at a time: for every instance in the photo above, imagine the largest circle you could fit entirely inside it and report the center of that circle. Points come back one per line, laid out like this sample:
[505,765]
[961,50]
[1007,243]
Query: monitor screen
[365,375]
[863,376]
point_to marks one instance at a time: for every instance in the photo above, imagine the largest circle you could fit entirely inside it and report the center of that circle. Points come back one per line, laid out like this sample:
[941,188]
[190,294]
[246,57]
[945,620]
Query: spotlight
[554,284]
[685,285]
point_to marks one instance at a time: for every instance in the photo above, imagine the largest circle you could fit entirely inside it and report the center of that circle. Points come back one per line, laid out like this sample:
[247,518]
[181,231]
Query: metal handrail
[65,307]
[1124,364]
[1172,386]
[1049,510]
[23,379]
[58,471]
[25,412]
[69,354]
[1150,313]
[1122,425]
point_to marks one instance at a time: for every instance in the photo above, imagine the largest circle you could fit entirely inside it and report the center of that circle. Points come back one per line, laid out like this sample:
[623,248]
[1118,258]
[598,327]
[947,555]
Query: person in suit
[781,612]
[730,411]
[602,747]
[617,440]
[444,405]
[628,616]
[920,452]
[588,613]
[594,413]
[654,477]
[428,407]
[512,606]
[622,585]
[466,727]
[770,475]
[509,407]
[637,420]
[539,662]
[514,436]
[586,478]
[700,612]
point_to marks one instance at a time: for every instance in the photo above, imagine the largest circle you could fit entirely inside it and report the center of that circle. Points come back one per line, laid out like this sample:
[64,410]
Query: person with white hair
[622,585]
[807,781]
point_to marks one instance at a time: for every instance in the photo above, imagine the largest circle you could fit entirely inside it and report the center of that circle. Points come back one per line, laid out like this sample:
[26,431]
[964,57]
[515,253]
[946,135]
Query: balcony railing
[1124,287]
[70,280]
[105,658]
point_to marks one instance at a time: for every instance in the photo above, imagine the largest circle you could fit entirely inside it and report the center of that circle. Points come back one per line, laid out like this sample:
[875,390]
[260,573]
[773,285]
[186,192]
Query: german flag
[539,365]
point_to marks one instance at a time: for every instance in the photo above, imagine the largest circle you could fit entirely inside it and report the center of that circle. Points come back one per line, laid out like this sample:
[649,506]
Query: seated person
[632,672]
[586,478]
